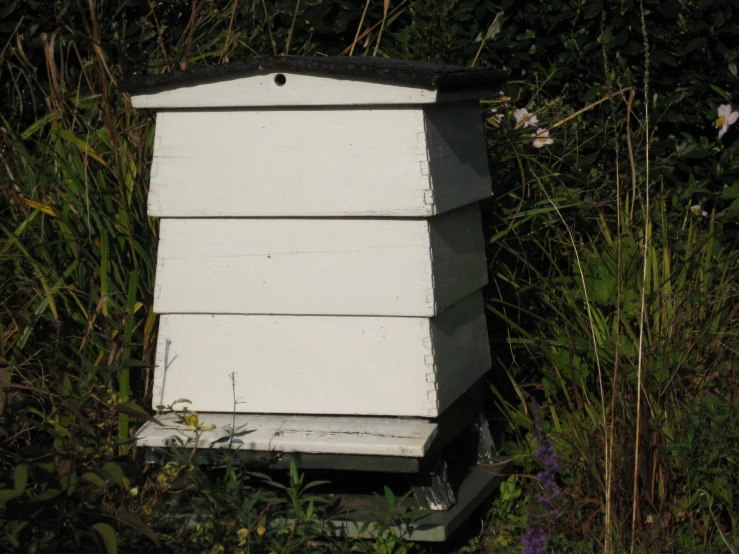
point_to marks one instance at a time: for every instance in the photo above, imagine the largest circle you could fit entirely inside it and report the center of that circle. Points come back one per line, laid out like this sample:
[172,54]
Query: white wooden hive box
[397,161]
[321,249]
[403,366]
[382,267]
[315,137]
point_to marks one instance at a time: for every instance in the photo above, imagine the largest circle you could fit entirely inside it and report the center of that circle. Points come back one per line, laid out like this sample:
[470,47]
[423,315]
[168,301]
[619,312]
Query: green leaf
[113,473]
[294,478]
[731,192]
[135,523]
[39,124]
[5,12]
[20,477]
[592,9]
[95,479]
[695,44]
[309,511]
[315,484]
[389,496]
[135,411]
[733,210]
[107,534]
[47,495]
[723,93]
[104,260]
[182,401]
[82,145]
[9,494]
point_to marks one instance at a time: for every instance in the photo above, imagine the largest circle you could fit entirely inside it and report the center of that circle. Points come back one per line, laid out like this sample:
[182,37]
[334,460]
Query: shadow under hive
[319,272]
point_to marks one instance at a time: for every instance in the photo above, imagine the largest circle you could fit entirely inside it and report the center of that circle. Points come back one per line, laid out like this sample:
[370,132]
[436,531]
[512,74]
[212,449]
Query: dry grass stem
[484,40]
[589,107]
[359,28]
[642,315]
[269,29]
[292,28]
[385,7]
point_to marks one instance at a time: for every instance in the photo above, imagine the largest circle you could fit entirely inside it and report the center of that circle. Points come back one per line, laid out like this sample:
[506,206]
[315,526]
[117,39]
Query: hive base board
[465,470]
[283,460]
[478,484]
[383,444]
[352,512]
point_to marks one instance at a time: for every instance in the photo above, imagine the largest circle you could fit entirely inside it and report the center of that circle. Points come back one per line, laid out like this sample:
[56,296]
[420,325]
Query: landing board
[409,438]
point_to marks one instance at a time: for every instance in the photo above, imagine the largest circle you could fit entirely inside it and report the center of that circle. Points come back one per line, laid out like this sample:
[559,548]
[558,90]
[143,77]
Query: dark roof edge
[393,71]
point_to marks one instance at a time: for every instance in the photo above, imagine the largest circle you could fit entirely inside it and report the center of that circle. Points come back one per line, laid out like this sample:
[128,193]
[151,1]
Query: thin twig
[269,29]
[385,6]
[642,314]
[373,27]
[610,432]
[12,35]
[292,28]
[587,300]
[230,29]
[359,28]
[484,40]
[33,389]
[589,107]
[191,34]
[630,147]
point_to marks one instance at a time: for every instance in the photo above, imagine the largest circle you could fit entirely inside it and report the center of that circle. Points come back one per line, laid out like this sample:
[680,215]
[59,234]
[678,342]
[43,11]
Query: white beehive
[320,237]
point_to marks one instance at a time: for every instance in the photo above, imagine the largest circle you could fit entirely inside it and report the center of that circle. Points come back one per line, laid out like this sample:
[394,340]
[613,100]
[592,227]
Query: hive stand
[319,268]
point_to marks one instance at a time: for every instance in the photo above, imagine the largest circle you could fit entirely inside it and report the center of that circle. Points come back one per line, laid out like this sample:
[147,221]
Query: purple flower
[547,455]
[535,538]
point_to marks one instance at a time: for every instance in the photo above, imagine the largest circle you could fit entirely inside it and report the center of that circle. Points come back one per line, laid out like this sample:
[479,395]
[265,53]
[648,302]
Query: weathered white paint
[384,267]
[298,90]
[400,366]
[404,162]
[294,433]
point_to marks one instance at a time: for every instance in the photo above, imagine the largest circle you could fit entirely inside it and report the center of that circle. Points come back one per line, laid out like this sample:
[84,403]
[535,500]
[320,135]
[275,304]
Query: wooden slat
[395,366]
[461,349]
[403,162]
[288,433]
[457,155]
[319,267]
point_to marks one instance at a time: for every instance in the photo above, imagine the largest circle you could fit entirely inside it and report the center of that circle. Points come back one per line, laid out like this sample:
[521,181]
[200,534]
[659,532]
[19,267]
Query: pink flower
[523,117]
[725,118]
[697,210]
[541,138]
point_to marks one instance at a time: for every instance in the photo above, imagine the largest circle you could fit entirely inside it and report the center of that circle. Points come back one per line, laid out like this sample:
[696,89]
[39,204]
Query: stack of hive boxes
[321,249]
